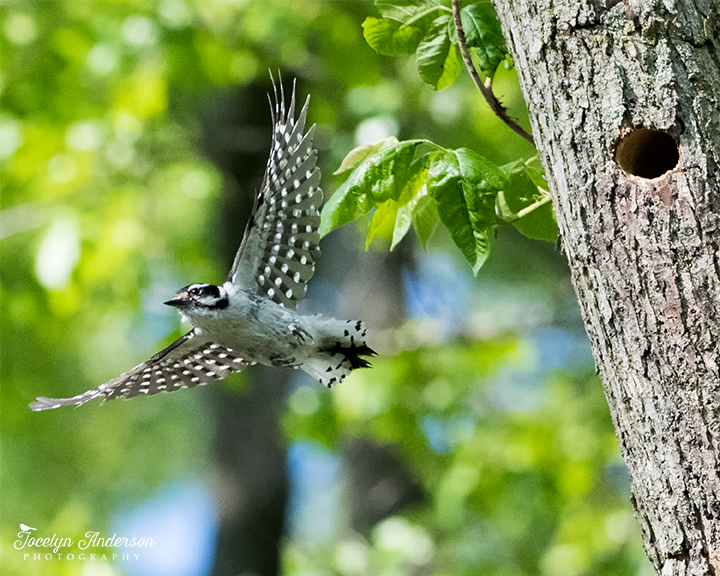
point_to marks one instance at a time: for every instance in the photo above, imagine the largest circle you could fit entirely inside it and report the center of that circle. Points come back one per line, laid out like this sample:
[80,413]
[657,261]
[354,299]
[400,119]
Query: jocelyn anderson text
[91,540]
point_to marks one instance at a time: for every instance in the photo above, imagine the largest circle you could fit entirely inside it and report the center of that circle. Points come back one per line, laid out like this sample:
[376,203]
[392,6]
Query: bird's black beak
[180,300]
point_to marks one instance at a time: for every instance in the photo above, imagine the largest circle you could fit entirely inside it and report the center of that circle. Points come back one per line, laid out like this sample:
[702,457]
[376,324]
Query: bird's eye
[211,291]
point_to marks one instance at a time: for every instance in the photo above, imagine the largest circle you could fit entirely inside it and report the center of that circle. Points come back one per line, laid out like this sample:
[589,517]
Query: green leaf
[383,176]
[408,11]
[438,59]
[531,167]
[382,224]
[390,37]
[393,218]
[358,155]
[403,221]
[527,207]
[483,33]
[408,203]
[465,186]
[481,180]
[425,216]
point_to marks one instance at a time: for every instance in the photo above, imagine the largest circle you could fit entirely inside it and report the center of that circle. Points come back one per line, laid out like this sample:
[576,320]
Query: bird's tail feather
[342,350]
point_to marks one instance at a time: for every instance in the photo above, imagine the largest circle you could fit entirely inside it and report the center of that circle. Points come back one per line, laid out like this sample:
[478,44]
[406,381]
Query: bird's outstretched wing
[277,254]
[189,361]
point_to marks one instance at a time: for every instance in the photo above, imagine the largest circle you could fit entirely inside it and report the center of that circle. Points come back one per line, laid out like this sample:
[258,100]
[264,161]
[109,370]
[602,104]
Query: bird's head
[199,298]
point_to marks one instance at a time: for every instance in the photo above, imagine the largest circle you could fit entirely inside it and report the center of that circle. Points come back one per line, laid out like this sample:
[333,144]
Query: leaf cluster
[419,184]
[427,28]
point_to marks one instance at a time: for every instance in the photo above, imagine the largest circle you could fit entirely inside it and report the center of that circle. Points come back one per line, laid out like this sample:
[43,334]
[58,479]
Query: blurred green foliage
[108,206]
[510,490]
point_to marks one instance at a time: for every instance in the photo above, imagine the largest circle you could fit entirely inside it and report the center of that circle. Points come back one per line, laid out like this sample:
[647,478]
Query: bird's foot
[282,361]
[300,333]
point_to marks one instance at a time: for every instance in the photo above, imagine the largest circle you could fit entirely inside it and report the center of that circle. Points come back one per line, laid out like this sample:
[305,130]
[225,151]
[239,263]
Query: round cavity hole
[647,153]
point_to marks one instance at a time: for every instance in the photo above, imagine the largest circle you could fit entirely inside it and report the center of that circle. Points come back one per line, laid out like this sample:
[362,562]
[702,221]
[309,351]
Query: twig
[525,211]
[487,92]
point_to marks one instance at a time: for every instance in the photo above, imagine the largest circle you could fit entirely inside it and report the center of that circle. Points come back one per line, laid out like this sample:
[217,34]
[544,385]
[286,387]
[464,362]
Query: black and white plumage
[251,318]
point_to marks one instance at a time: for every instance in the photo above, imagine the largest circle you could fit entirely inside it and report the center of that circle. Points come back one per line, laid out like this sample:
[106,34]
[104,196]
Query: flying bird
[251,317]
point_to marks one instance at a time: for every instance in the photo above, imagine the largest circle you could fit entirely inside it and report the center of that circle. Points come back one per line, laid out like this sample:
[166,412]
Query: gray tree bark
[639,212]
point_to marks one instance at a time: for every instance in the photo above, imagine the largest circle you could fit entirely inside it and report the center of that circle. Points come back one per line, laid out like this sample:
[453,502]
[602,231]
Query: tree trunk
[614,95]
[250,451]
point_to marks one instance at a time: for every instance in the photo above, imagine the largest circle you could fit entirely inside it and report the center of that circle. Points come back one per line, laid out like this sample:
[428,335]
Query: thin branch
[486,91]
[525,211]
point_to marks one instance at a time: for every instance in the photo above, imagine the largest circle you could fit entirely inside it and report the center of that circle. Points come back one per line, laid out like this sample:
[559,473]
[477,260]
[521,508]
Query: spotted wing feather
[189,361]
[281,242]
